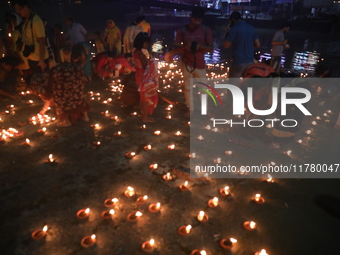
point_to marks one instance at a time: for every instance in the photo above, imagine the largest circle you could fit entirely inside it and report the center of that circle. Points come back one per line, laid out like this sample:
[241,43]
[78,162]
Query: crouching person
[63,87]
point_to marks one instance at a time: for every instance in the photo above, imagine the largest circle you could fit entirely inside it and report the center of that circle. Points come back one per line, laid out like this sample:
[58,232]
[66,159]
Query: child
[65,54]
[146,77]
[99,42]
[113,36]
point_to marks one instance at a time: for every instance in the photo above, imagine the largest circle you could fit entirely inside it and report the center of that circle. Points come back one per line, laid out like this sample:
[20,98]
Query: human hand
[42,65]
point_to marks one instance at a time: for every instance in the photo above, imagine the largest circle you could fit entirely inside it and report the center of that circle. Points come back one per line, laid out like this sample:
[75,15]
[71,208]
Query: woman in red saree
[146,77]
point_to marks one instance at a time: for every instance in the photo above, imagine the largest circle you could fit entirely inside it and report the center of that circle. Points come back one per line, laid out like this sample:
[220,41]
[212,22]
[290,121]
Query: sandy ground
[34,193]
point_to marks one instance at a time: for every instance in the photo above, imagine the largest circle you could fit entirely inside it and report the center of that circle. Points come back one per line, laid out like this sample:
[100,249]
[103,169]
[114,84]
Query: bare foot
[337,127]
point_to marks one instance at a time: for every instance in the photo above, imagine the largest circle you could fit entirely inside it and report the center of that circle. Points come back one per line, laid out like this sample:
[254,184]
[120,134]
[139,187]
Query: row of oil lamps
[149,246]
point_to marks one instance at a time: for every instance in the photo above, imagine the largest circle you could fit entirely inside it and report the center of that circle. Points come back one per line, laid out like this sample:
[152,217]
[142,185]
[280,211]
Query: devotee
[279,43]
[244,39]
[192,42]
[113,36]
[126,39]
[99,42]
[107,64]
[33,43]
[146,77]
[63,86]
[65,54]
[145,25]
[76,32]
[134,30]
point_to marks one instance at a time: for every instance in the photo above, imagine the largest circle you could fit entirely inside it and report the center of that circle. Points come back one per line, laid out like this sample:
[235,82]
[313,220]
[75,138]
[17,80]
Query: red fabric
[124,62]
[104,67]
[147,81]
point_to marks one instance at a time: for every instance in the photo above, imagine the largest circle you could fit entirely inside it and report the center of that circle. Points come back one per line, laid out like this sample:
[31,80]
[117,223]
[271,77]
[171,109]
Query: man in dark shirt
[243,38]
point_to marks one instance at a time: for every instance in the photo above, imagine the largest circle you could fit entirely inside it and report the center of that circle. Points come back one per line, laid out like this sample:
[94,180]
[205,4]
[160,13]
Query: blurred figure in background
[76,32]
[279,43]
[126,38]
[99,42]
[33,43]
[113,37]
[145,25]
[244,39]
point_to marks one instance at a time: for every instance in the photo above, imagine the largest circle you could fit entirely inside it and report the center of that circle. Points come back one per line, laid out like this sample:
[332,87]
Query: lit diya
[26,143]
[83,213]
[184,230]
[148,246]
[130,155]
[198,252]
[262,252]
[88,241]
[258,199]
[167,177]
[129,192]
[134,216]
[213,202]
[225,191]
[110,202]
[108,214]
[50,159]
[249,225]
[153,166]
[228,243]
[184,186]
[147,147]
[142,200]
[117,134]
[202,216]
[154,207]
[40,233]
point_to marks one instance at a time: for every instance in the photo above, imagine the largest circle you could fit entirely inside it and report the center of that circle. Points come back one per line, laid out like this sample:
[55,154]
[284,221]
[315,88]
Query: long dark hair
[78,54]
[140,39]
